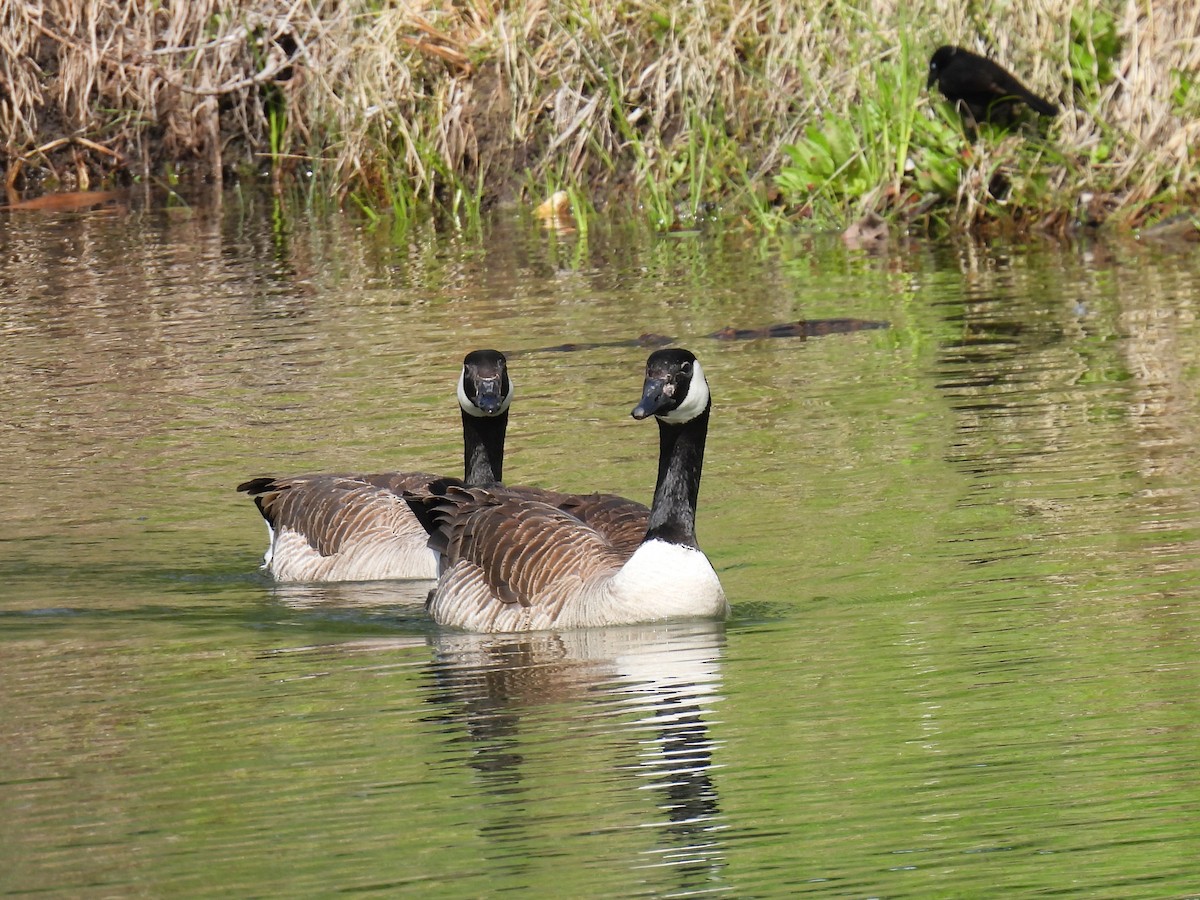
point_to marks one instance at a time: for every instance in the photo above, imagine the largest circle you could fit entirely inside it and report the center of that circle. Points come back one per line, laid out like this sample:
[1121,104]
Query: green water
[961,554]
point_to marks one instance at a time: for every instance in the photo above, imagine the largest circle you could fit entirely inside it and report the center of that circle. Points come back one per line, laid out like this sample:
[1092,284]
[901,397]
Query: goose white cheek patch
[470,408]
[694,403]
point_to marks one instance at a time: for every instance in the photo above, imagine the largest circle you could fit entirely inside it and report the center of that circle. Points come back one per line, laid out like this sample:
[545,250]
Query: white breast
[664,581]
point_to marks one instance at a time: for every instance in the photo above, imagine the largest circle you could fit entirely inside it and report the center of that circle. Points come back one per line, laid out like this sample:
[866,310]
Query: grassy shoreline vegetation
[776,111]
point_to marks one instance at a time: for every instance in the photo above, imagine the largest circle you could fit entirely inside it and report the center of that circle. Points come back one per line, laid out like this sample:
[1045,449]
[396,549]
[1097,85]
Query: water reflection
[1070,408]
[399,596]
[653,684]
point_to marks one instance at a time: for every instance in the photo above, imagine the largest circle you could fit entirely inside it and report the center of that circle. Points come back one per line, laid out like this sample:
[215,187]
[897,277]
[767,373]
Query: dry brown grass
[426,98]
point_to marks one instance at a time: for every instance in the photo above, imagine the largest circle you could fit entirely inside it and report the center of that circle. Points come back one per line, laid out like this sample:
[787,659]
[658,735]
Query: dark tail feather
[257,486]
[265,494]
[424,507]
[1037,104]
[429,506]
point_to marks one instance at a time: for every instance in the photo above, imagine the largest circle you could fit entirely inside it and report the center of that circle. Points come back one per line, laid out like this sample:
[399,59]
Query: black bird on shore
[989,92]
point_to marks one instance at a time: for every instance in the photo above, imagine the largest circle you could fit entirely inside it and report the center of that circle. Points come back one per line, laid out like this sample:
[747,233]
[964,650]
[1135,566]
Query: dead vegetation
[426,100]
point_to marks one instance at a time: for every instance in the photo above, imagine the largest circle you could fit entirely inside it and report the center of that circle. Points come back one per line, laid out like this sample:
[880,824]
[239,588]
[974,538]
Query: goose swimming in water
[357,527]
[513,562]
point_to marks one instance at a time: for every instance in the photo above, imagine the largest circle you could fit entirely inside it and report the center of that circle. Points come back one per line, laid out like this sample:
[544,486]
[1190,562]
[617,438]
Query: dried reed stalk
[502,95]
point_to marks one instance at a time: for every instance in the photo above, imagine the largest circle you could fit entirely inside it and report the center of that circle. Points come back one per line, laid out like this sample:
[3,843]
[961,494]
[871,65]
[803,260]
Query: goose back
[622,522]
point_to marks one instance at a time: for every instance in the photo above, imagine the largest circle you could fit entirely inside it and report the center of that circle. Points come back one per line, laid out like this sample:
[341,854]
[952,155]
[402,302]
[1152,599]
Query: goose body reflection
[646,691]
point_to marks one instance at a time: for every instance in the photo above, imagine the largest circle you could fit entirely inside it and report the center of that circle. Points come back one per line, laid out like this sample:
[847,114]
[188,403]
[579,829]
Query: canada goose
[357,527]
[511,562]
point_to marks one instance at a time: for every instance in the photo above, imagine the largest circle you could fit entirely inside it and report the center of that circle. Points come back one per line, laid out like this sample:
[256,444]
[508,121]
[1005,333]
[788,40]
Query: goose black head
[483,386]
[675,389]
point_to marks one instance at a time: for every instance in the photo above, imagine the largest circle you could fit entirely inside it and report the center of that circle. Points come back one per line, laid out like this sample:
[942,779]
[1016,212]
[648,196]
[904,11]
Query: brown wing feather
[523,548]
[623,522]
[399,482]
[329,510]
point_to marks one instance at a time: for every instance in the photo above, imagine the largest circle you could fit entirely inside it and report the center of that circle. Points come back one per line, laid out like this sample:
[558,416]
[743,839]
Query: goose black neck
[680,459]
[483,448]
